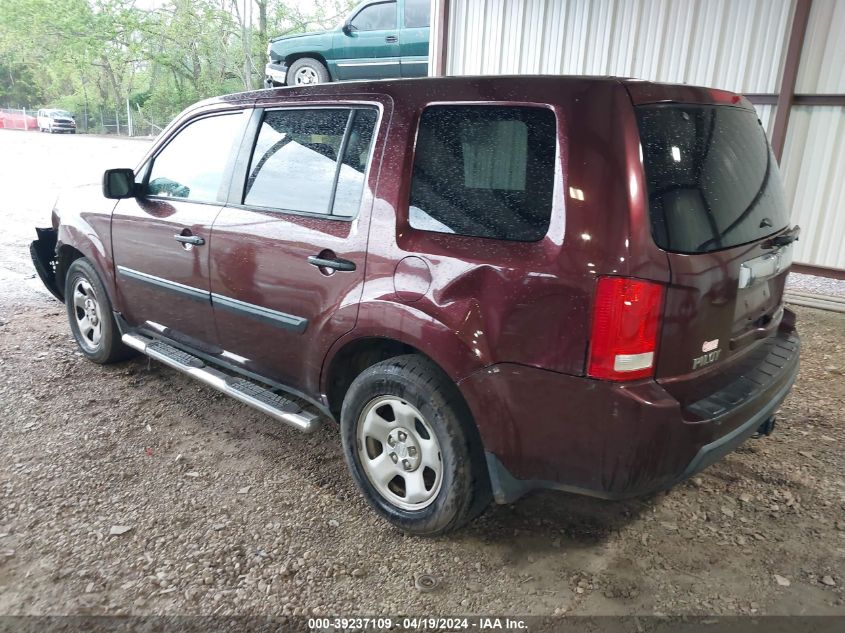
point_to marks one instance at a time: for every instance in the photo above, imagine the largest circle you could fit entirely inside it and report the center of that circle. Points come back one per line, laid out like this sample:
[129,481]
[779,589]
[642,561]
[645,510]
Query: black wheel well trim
[358,355]
[352,359]
[65,256]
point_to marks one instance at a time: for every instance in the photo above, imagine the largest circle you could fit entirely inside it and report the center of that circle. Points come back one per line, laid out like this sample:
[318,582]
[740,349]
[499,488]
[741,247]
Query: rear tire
[307,71]
[412,447]
[90,315]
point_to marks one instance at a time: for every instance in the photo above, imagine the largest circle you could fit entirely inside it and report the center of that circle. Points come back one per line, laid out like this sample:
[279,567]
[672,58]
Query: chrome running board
[250,393]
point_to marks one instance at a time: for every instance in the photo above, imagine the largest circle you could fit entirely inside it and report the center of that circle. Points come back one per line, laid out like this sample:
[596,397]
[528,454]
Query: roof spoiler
[643,92]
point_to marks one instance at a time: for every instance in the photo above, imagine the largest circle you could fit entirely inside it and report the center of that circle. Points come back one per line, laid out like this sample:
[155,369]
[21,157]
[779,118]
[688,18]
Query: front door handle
[391,39]
[335,263]
[189,239]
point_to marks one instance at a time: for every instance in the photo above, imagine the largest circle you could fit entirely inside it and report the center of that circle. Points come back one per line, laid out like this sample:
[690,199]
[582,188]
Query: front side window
[376,17]
[192,165]
[484,171]
[417,13]
[311,161]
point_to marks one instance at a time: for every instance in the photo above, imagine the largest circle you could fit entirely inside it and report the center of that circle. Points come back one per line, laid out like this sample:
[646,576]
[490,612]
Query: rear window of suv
[484,171]
[713,182]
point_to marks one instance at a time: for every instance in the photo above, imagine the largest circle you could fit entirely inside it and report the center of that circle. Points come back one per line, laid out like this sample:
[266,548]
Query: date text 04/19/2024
[479,623]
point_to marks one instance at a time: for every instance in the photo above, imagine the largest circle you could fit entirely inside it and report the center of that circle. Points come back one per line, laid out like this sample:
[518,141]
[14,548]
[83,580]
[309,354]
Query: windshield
[713,182]
[60,113]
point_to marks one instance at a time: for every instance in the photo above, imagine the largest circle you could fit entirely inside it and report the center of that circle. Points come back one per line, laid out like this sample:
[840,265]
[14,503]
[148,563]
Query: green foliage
[93,55]
[19,86]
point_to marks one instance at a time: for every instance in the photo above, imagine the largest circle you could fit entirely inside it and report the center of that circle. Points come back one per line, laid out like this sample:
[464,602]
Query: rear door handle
[335,263]
[391,39]
[189,239]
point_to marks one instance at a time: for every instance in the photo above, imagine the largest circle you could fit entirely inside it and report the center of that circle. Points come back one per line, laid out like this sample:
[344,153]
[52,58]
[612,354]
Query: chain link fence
[127,121]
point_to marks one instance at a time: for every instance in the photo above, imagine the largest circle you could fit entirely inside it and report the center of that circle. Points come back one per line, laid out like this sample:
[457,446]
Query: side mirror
[119,184]
[347,28]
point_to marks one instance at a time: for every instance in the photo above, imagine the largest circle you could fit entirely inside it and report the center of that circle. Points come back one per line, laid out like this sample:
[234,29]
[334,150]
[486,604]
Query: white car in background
[52,120]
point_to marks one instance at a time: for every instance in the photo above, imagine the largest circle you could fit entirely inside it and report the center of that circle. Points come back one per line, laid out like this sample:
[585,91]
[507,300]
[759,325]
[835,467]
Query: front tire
[307,71]
[90,315]
[412,448]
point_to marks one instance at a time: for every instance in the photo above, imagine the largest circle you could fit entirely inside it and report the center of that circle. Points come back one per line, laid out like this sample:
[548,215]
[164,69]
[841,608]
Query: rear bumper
[276,73]
[542,429]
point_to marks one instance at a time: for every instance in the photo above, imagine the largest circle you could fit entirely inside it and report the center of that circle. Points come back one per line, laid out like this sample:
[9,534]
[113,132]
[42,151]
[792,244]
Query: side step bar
[250,393]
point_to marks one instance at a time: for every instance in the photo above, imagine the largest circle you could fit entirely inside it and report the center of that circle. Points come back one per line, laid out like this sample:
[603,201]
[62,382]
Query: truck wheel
[307,71]
[412,448]
[90,314]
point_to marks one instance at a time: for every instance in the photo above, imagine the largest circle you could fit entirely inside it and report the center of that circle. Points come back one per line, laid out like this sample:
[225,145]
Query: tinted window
[192,164]
[712,180]
[417,13]
[484,171]
[295,163]
[376,17]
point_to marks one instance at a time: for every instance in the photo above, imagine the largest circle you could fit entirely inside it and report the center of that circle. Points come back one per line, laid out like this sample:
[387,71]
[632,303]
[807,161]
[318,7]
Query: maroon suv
[493,284]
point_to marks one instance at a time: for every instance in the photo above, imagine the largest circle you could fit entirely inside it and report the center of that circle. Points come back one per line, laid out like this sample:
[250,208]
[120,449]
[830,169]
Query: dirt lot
[229,512]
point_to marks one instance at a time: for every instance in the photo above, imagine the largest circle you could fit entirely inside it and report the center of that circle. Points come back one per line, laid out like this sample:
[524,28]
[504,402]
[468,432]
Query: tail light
[626,319]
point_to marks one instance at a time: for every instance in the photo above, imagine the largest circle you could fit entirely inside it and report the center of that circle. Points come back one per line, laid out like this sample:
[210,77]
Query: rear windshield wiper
[783,239]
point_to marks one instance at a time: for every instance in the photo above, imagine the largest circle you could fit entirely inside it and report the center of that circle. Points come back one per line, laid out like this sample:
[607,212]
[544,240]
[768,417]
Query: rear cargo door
[717,208]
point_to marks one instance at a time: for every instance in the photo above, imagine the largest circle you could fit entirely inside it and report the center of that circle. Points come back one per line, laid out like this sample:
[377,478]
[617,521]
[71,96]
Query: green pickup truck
[379,39]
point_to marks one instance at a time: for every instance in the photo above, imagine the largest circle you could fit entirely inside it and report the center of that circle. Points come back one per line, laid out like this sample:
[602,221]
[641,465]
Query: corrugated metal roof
[721,43]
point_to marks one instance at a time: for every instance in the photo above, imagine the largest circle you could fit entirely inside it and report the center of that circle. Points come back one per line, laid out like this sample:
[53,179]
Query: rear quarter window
[713,182]
[484,171]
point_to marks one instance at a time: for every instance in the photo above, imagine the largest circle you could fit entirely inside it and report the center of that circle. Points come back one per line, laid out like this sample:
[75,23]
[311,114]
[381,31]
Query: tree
[102,53]
[18,86]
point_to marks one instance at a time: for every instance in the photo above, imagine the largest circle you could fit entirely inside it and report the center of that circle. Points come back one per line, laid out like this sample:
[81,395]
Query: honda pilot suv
[491,284]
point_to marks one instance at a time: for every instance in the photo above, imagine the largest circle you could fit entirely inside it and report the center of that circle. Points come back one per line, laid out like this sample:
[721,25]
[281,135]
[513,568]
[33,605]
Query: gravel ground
[797,282]
[131,489]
